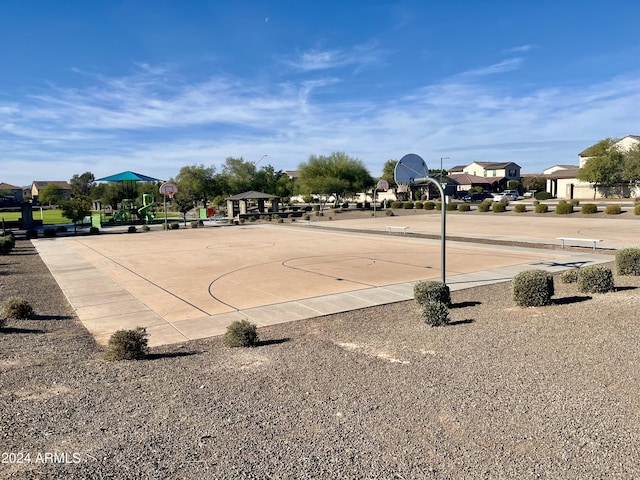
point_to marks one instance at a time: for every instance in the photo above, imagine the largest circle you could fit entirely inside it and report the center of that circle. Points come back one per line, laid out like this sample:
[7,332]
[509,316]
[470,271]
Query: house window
[512,172]
[484,173]
[494,173]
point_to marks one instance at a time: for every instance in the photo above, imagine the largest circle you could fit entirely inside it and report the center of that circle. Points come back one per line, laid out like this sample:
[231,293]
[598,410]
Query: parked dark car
[476,197]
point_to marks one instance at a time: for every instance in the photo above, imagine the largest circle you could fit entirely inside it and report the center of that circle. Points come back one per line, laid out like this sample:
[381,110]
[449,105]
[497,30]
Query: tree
[388,173]
[338,175]
[631,170]
[239,175]
[82,185]
[534,182]
[51,193]
[604,165]
[76,209]
[268,180]
[108,193]
[199,181]
[185,202]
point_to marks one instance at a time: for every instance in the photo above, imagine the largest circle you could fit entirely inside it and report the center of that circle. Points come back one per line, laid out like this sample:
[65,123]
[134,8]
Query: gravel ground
[502,392]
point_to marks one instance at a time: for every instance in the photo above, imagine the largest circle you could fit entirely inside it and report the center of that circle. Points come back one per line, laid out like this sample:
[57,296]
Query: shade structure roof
[252,195]
[128,176]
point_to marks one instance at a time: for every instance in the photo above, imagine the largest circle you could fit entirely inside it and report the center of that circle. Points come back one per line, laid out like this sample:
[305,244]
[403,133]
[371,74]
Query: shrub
[484,206]
[542,208]
[18,308]
[146,228]
[613,210]
[628,261]
[564,208]
[31,234]
[176,225]
[358,204]
[49,232]
[396,204]
[408,205]
[498,207]
[94,230]
[533,288]
[520,208]
[194,224]
[543,196]
[127,345]
[575,202]
[595,279]
[451,206]
[345,205]
[389,213]
[419,205]
[636,209]
[589,208]
[464,207]
[241,333]
[7,242]
[435,313]
[432,290]
[535,202]
[569,276]
[306,217]
[429,205]
[438,205]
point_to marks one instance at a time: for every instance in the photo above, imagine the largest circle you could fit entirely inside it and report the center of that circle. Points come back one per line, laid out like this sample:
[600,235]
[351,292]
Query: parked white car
[509,195]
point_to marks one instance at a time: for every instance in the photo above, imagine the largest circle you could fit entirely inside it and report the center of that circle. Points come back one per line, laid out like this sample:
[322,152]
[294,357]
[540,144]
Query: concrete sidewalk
[192,283]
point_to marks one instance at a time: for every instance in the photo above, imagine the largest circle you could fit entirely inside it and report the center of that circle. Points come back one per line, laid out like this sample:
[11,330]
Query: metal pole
[165,211]
[443,255]
[374,203]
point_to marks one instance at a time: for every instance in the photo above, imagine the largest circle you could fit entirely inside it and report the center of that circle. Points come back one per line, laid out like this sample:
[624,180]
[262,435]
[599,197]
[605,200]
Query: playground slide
[146,212]
[121,216]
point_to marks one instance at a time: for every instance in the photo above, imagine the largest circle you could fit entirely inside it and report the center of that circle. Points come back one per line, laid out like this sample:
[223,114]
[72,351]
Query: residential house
[11,193]
[489,175]
[561,180]
[36,186]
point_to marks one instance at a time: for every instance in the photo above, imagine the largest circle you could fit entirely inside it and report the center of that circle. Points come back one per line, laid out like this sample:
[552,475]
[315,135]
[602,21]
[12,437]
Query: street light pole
[441,159]
[256,163]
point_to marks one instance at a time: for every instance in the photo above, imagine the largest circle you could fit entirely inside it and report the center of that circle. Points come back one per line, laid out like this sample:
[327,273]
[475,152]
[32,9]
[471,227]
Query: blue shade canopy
[128,177]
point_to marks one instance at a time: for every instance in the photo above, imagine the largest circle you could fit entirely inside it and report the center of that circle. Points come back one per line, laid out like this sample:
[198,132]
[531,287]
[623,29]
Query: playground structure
[129,209]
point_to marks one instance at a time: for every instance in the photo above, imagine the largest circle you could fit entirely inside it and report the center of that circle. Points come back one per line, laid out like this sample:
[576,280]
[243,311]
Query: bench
[594,241]
[391,228]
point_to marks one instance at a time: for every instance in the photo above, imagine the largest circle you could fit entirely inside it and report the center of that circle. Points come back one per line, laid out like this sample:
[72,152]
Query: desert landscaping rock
[502,392]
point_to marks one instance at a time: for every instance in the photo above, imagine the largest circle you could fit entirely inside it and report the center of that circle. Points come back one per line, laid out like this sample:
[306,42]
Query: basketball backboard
[409,168]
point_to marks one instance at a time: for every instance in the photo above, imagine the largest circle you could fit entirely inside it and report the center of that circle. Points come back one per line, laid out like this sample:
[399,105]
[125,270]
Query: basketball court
[192,283]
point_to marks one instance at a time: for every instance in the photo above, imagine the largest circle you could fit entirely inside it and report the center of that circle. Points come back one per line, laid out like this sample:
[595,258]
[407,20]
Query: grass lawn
[48,217]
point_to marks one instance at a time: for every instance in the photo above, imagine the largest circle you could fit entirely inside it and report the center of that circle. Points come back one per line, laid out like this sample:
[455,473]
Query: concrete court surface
[192,283]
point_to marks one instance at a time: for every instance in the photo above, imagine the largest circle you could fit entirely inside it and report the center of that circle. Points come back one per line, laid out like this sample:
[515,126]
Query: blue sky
[151,86]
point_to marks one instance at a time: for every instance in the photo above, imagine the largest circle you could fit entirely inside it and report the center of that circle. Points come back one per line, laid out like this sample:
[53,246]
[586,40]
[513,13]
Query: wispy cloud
[314,60]
[158,121]
[519,49]
[500,67]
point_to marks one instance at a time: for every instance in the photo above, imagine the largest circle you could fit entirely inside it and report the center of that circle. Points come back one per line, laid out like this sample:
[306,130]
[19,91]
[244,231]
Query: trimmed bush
[595,279]
[564,208]
[589,208]
[569,276]
[241,333]
[438,205]
[532,288]
[432,290]
[451,206]
[464,207]
[542,208]
[146,228]
[499,207]
[396,204]
[132,229]
[484,206]
[408,205]
[31,234]
[176,225]
[636,209]
[7,242]
[419,205]
[543,196]
[613,210]
[94,230]
[429,205]
[520,208]
[388,213]
[194,224]
[435,313]
[49,232]
[574,202]
[628,261]
[17,308]
[127,345]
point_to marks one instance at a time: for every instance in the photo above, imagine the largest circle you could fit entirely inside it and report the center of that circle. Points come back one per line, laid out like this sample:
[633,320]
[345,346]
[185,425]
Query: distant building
[38,185]
[488,175]
[11,191]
